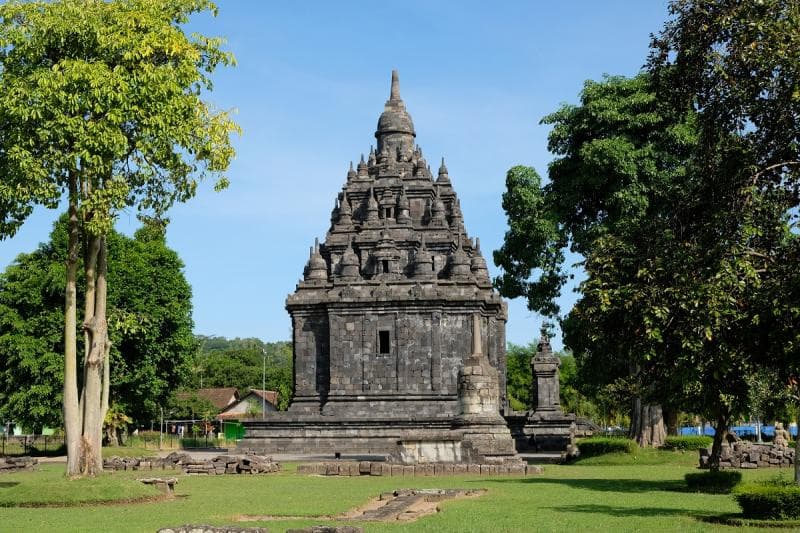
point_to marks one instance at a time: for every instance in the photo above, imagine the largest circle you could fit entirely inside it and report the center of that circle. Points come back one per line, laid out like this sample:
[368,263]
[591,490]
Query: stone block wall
[377,468]
[745,454]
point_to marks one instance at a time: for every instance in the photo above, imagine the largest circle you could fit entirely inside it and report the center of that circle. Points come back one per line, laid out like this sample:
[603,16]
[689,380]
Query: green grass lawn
[586,496]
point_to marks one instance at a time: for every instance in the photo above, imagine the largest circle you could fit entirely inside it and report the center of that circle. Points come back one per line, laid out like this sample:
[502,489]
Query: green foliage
[150,324]
[713,481]
[239,363]
[769,501]
[737,64]
[686,442]
[679,189]
[108,94]
[518,376]
[594,446]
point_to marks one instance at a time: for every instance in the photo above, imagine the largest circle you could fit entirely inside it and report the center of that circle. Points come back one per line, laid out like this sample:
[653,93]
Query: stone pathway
[404,505]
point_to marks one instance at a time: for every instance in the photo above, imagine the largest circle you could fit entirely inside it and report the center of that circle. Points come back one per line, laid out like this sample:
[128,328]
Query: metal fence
[11,445]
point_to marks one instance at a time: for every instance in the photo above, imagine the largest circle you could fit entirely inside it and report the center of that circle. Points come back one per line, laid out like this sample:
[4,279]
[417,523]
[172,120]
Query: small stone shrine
[399,337]
[546,427]
[546,389]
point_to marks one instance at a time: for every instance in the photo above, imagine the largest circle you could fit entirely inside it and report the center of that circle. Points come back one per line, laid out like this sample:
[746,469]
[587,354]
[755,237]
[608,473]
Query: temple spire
[394,95]
[395,128]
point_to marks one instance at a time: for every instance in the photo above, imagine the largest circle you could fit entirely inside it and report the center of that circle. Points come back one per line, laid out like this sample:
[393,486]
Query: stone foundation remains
[379,468]
[744,454]
[222,464]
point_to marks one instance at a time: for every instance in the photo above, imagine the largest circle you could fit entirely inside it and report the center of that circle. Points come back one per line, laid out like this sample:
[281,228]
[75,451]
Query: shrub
[719,482]
[769,501]
[687,442]
[594,446]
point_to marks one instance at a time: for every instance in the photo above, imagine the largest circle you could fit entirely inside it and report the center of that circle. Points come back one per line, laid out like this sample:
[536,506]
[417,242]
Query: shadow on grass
[613,510]
[606,485]
[8,484]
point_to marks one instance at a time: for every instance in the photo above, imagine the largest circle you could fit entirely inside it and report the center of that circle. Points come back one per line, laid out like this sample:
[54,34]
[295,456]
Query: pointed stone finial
[316,244]
[395,93]
[362,167]
[478,244]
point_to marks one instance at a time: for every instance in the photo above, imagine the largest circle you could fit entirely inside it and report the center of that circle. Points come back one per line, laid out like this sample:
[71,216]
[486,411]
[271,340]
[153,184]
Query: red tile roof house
[250,404]
[220,398]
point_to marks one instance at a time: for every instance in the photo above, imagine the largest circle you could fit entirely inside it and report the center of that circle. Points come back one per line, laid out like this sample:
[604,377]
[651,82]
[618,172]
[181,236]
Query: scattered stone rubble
[222,464]
[376,468]
[744,454]
[15,464]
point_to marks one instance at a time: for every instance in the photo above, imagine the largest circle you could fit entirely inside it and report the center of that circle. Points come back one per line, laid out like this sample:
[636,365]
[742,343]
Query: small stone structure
[485,435]
[165,485]
[222,464]
[546,388]
[380,468]
[16,464]
[547,427]
[744,454]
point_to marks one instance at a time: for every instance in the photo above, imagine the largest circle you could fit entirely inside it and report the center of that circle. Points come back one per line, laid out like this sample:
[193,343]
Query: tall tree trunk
[720,432]
[72,415]
[647,424]
[671,420]
[96,330]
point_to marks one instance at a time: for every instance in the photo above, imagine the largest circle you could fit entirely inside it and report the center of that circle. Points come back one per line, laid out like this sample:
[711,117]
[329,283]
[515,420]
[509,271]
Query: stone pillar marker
[486,438]
[546,387]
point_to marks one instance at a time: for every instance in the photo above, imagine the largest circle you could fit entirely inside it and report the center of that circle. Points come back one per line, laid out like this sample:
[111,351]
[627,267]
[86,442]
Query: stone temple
[394,318]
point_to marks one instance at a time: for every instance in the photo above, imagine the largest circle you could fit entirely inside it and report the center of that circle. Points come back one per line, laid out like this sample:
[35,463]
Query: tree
[619,155]
[101,101]
[150,325]
[737,65]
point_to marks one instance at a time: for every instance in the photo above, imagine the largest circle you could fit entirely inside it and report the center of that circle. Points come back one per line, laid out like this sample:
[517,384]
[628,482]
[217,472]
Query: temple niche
[388,310]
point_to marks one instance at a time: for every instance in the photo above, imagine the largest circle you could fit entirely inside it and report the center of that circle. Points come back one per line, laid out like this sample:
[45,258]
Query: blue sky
[309,86]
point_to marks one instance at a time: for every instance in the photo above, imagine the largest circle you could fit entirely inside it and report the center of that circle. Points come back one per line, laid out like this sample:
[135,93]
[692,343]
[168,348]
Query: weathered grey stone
[382,318]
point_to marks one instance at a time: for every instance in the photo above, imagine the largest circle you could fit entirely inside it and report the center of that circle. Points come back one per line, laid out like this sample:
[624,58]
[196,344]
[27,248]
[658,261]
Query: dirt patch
[404,505]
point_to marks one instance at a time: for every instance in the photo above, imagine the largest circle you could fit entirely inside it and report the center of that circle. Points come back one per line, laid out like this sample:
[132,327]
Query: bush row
[601,445]
[769,501]
[687,442]
[714,482]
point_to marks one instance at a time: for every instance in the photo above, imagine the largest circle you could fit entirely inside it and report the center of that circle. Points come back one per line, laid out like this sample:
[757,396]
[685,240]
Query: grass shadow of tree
[613,510]
[8,484]
[606,485]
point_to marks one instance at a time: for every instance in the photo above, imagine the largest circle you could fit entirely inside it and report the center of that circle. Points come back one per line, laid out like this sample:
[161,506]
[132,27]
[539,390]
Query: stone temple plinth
[392,309]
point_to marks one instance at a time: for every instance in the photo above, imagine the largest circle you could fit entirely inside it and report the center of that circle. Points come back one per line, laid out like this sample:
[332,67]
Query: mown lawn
[625,495]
